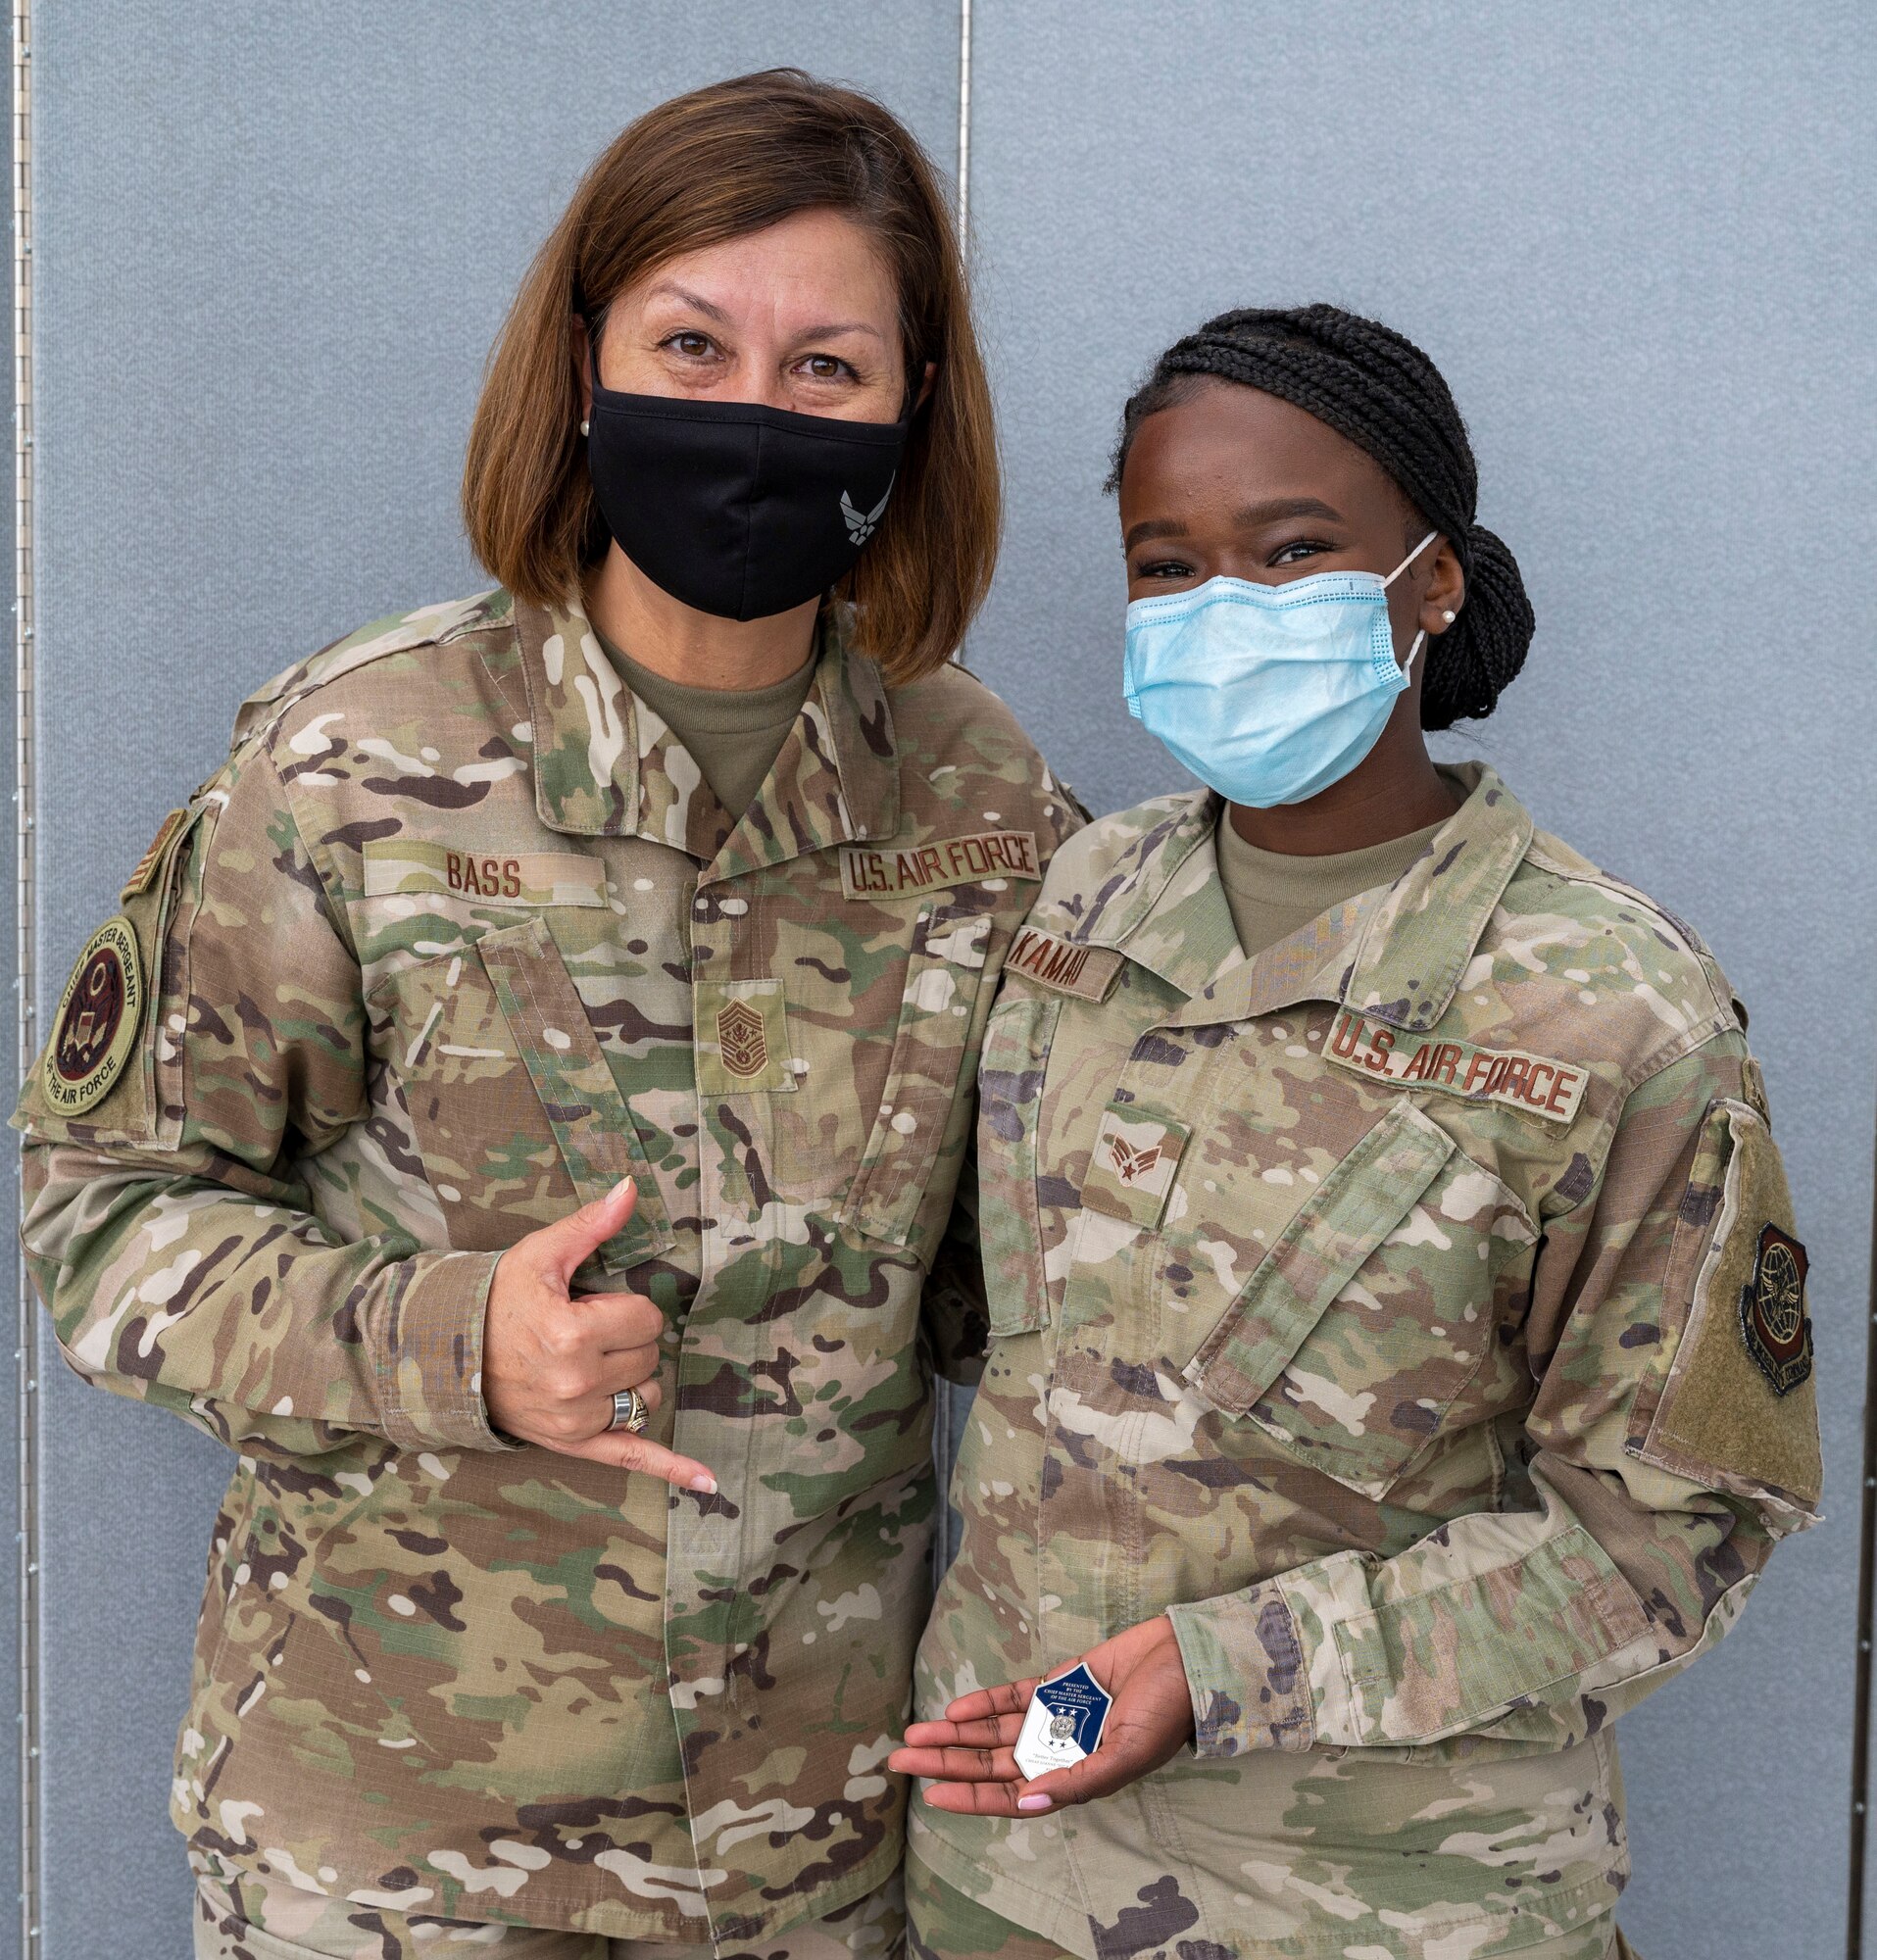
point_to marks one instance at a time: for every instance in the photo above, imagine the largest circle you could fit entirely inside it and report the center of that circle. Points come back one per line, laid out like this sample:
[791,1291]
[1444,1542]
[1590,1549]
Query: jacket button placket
[691,1528]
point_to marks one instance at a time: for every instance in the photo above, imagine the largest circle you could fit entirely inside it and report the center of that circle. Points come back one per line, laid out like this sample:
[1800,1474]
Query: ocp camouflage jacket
[1414,1311]
[456,939]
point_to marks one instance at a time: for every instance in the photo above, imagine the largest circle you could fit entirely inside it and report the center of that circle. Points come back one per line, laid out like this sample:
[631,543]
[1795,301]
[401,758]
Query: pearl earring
[583,429]
[1448,616]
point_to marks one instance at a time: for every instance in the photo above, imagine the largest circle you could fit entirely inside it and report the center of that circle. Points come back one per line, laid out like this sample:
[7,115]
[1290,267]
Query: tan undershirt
[1273,893]
[733,735]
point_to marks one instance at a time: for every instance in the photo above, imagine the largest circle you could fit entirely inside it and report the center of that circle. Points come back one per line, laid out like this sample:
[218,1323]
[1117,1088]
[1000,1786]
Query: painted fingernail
[706,1484]
[1032,1803]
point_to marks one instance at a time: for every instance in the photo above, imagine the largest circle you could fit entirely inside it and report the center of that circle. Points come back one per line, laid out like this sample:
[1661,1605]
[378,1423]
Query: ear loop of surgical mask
[1420,638]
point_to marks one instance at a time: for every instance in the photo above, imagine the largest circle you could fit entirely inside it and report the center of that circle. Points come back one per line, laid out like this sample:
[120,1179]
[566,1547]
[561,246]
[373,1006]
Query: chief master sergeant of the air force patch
[98,1019]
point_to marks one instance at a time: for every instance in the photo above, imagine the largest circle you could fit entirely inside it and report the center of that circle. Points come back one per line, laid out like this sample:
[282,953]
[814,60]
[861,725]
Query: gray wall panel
[273,247]
[1639,241]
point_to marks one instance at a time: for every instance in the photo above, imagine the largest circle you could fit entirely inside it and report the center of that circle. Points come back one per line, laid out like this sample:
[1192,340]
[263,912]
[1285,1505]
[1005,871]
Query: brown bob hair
[718,163]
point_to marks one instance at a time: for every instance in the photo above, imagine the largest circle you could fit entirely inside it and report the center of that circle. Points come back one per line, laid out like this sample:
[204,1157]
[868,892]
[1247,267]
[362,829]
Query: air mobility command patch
[99,1014]
[888,873]
[1532,1084]
[1772,1311]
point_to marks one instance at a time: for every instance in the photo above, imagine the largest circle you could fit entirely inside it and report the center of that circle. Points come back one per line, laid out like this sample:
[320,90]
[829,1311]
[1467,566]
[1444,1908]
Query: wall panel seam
[25,900]
[1867,1554]
[964,126]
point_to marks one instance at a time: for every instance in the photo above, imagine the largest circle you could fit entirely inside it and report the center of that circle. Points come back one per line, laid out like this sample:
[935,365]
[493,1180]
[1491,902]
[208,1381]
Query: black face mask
[738,510]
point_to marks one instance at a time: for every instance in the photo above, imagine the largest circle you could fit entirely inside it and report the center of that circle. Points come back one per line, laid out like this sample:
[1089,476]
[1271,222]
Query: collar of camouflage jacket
[1396,953]
[605,766]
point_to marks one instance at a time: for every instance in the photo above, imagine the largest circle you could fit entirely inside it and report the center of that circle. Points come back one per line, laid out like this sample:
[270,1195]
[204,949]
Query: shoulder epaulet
[1552,855]
[397,632]
[947,677]
[1105,880]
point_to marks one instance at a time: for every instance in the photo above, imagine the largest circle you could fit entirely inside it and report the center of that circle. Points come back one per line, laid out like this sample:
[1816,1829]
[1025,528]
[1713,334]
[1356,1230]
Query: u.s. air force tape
[893,872]
[99,1014]
[1533,1083]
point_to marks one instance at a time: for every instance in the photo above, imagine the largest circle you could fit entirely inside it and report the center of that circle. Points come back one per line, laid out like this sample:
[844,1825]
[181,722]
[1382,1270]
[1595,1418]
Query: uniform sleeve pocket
[1009,1082]
[1370,1314]
[900,1192]
[514,1106]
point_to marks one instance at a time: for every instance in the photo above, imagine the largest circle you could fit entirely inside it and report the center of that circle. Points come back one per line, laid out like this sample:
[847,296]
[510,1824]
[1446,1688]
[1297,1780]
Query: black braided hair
[1376,387]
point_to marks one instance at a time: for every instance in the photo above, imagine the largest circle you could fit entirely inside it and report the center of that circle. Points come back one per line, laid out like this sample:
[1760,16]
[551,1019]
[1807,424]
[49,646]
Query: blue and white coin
[1063,1724]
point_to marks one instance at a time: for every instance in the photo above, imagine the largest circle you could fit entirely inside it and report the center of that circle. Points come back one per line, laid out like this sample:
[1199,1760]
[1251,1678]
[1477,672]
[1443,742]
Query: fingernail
[1032,1803]
[622,1187]
[704,1483]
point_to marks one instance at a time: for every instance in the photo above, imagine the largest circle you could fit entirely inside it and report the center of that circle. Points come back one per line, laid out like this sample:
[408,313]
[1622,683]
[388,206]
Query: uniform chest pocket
[1373,1310]
[515,1110]
[902,1192]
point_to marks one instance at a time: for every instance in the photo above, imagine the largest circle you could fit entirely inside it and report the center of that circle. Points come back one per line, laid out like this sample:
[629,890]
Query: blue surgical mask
[1268,692]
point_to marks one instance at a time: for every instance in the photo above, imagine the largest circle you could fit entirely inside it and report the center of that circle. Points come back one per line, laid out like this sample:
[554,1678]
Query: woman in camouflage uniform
[520,1105]
[1400,1351]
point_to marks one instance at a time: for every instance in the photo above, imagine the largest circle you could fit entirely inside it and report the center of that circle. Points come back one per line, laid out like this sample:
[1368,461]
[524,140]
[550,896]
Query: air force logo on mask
[859,528]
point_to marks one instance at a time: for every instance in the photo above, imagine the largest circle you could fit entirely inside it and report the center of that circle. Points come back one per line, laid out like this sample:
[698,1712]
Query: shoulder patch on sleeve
[96,1078]
[99,1016]
[1773,1321]
[1738,1411]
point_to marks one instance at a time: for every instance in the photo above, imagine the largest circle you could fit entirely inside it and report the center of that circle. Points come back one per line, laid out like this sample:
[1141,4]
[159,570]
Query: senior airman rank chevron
[1532,1084]
[1086,971]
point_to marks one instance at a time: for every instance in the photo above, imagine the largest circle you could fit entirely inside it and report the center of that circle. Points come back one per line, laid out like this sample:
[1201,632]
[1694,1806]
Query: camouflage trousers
[246,1919]
[944,1925]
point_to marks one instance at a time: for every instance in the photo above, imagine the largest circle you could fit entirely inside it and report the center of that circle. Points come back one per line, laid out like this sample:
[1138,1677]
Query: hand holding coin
[1035,1746]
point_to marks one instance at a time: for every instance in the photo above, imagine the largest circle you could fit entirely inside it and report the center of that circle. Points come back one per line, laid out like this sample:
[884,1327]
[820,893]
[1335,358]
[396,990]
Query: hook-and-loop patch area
[1733,1408]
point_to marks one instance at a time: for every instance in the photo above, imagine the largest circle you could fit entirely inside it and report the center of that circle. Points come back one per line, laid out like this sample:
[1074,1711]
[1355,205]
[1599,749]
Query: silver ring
[628,1410]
